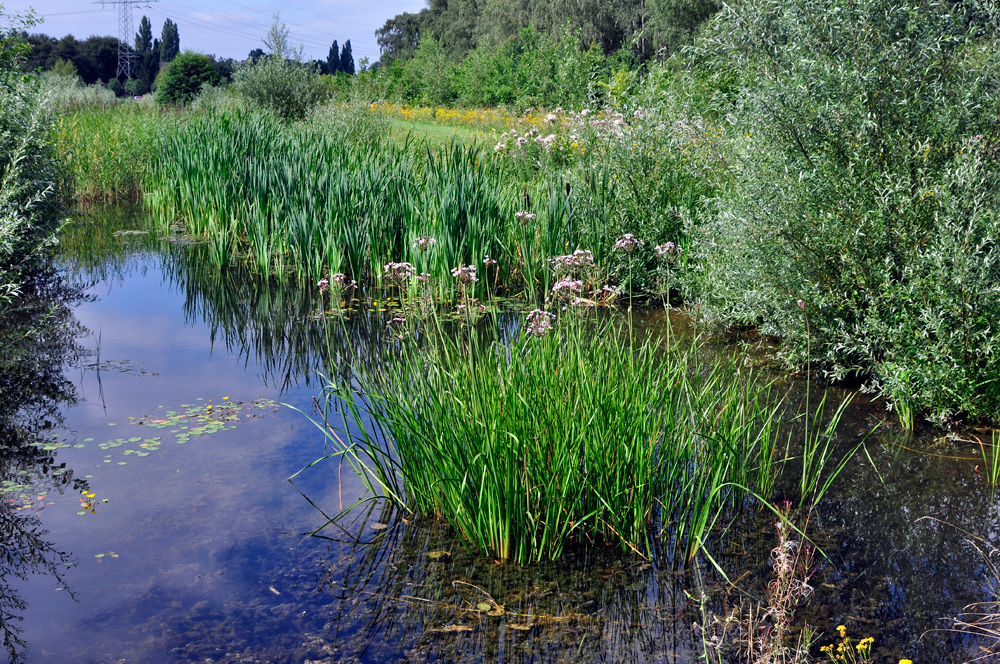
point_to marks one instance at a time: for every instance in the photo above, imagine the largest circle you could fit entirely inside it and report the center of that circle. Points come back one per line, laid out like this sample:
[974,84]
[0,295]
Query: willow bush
[862,151]
[28,167]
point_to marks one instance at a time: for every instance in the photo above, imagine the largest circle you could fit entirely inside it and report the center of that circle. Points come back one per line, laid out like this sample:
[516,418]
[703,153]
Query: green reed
[297,199]
[109,152]
[991,458]
[580,434]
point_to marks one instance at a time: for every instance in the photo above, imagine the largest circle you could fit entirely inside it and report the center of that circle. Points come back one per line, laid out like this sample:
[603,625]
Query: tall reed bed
[108,151]
[298,199]
[575,434]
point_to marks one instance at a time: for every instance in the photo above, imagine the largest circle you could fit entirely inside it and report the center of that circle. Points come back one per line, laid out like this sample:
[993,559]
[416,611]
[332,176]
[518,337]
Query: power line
[238,28]
[255,24]
[125,53]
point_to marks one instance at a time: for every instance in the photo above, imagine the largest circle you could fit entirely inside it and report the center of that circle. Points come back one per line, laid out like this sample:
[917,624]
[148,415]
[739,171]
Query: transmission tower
[126,55]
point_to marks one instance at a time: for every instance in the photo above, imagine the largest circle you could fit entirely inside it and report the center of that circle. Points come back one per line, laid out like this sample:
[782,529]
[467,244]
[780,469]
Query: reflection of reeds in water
[982,619]
[105,242]
[38,342]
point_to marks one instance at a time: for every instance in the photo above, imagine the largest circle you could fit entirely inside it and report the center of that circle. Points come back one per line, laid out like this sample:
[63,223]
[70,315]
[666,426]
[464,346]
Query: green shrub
[28,170]
[135,87]
[287,88]
[183,79]
[65,92]
[864,162]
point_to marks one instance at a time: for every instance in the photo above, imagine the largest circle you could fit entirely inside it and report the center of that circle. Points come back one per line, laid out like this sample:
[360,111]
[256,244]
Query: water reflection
[37,344]
[372,595]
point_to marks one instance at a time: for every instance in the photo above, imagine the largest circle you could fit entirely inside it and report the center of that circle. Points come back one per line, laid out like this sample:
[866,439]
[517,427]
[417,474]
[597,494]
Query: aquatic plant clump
[567,433]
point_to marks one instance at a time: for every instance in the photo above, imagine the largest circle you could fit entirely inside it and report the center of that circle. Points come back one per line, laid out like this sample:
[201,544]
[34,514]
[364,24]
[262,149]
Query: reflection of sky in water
[170,516]
[211,564]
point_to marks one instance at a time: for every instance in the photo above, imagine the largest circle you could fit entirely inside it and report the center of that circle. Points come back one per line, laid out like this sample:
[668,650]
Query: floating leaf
[379,526]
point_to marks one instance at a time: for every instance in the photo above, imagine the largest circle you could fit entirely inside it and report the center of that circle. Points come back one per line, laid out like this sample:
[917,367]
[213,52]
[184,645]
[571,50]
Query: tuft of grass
[991,458]
[578,434]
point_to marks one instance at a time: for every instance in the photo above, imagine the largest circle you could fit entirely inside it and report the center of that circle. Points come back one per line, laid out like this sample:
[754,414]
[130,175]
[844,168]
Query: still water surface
[193,546]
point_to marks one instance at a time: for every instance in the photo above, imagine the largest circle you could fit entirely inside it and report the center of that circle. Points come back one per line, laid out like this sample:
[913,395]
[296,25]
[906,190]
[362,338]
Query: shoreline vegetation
[856,177]
[823,172]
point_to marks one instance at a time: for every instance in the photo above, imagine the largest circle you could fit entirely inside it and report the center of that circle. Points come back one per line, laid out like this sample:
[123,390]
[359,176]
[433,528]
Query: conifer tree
[347,59]
[144,38]
[333,59]
[170,41]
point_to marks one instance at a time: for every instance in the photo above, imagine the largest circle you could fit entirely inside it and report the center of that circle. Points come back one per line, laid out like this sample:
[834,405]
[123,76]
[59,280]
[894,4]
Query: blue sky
[232,28]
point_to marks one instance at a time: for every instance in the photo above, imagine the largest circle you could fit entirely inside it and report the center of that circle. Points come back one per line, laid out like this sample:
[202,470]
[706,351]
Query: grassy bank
[108,151]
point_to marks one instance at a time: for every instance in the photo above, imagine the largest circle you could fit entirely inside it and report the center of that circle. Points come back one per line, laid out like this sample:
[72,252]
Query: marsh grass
[581,434]
[301,200]
[991,458]
[108,151]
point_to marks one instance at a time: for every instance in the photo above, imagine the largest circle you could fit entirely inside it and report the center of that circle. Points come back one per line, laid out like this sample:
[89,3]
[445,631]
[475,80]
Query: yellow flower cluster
[847,652]
[476,118]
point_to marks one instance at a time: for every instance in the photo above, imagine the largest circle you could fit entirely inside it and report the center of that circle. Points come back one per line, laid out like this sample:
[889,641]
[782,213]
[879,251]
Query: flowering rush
[567,290]
[539,323]
[424,242]
[666,249]
[629,243]
[338,281]
[471,306]
[489,262]
[399,272]
[465,274]
[524,216]
[581,259]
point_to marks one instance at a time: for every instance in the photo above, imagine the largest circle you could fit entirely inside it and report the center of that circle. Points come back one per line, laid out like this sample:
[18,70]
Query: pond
[154,521]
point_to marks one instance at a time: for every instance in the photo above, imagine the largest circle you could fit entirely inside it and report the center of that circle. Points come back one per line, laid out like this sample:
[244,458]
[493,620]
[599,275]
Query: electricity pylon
[126,55]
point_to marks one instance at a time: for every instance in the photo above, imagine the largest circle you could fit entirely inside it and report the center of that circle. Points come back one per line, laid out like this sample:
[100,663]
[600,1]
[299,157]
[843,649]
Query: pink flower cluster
[471,306]
[524,216]
[581,259]
[567,290]
[539,323]
[399,273]
[465,274]
[339,282]
[667,249]
[424,242]
[629,243]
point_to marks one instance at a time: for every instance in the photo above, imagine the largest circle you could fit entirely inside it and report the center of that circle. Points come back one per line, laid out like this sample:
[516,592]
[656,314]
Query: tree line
[95,59]
[637,30]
